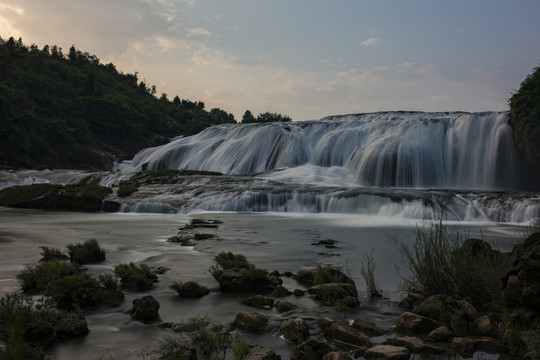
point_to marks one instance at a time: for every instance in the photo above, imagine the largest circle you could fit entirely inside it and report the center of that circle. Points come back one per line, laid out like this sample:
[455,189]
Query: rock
[160,270]
[489,345]
[145,308]
[411,324]
[325,322]
[348,302]
[281,291]
[478,248]
[72,325]
[251,322]
[332,292]
[239,280]
[284,306]
[464,346]
[191,289]
[513,264]
[259,301]
[260,353]
[533,239]
[412,343]
[328,243]
[410,302]
[306,277]
[367,327]
[298,292]
[336,355]
[468,309]
[274,281]
[346,334]
[442,333]
[387,352]
[484,326]
[296,330]
[187,354]
[311,350]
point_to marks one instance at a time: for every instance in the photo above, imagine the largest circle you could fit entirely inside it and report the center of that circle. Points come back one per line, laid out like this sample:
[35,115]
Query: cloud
[372,41]
[199,32]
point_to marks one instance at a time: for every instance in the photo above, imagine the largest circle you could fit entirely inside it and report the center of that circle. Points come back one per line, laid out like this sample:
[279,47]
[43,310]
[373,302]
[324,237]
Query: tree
[525,118]
[248,117]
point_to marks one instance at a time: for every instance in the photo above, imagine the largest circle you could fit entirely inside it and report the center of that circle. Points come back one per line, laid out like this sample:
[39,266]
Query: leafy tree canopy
[265,117]
[525,118]
[71,111]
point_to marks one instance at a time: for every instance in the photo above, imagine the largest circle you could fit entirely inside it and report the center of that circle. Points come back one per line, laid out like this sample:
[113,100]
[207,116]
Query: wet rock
[367,327]
[489,345]
[311,350]
[348,302]
[332,292]
[336,355]
[328,243]
[251,322]
[299,292]
[325,322]
[284,306]
[307,277]
[191,289]
[241,280]
[442,333]
[411,324]
[412,343]
[387,352]
[484,326]
[260,353]
[145,308]
[182,240]
[468,309]
[339,332]
[259,301]
[281,291]
[160,270]
[463,346]
[411,301]
[296,330]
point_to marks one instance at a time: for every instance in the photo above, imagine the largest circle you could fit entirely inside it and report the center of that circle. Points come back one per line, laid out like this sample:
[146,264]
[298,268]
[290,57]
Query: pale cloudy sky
[305,59]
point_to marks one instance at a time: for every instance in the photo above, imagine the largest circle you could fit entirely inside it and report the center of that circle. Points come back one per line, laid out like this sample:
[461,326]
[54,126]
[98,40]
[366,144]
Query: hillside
[71,111]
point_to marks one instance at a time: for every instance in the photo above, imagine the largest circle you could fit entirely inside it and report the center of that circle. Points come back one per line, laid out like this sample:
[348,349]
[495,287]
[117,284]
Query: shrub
[108,281]
[52,254]
[228,260]
[126,189]
[78,291]
[135,277]
[438,263]
[88,252]
[367,271]
[38,278]
[330,274]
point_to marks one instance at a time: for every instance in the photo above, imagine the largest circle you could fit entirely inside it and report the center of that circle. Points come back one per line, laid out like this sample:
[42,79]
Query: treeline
[71,111]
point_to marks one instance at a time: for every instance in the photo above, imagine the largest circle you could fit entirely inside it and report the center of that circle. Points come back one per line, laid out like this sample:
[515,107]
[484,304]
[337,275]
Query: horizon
[305,60]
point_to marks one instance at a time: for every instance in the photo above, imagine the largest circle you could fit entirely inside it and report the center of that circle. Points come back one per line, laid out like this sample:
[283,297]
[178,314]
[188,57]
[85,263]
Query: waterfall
[392,149]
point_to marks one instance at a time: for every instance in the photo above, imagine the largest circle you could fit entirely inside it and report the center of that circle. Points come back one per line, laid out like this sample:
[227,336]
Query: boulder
[145,308]
[410,302]
[442,333]
[311,350]
[260,353]
[281,291]
[411,324]
[336,355]
[298,292]
[251,322]
[367,327]
[338,332]
[284,306]
[296,330]
[464,346]
[191,289]
[484,326]
[259,301]
[387,352]
[412,343]
[333,292]
[489,345]
[325,322]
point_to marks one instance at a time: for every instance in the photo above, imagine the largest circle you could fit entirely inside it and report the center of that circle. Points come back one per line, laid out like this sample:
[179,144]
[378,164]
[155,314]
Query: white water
[398,149]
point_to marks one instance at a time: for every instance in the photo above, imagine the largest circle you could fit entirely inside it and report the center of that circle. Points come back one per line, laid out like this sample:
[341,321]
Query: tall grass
[438,263]
[367,271]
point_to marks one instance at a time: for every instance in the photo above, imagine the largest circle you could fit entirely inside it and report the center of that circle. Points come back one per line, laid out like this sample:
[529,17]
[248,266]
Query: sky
[305,59]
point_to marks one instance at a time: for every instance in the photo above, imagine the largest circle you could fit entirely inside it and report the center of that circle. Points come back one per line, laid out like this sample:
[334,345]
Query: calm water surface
[272,241]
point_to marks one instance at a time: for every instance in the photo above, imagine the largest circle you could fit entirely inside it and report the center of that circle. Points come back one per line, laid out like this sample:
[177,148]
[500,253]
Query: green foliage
[72,111]
[88,252]
[228,260]
[126,189]
[135,277]
[438,263]
[39,278]
[265,117]
[525,118]
[108,281]
[81,197]
[330,274]
[531,337]
[52,254]
[77,291]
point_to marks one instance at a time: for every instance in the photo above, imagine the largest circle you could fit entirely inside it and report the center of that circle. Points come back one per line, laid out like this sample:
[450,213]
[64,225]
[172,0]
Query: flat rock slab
[387,352]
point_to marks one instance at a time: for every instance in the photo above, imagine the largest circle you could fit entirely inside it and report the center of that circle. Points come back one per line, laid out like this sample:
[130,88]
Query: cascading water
[394,149]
